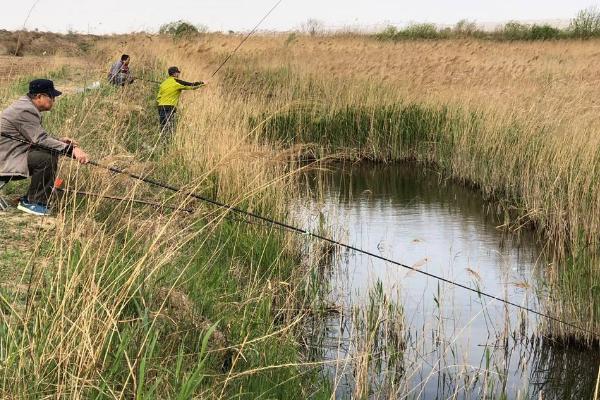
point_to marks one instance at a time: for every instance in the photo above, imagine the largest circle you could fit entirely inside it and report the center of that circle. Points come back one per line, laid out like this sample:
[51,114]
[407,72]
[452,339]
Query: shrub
[389,33]
[586,24]
[291,38]
[543,32]
[181,28]
[84,47]
[421,31]
[15,48]
[465,28]
[510,31]
[515,31]
[413,31]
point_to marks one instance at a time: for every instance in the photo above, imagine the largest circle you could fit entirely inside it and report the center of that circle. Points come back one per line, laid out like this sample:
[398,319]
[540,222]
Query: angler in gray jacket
[21,130]
[119,74]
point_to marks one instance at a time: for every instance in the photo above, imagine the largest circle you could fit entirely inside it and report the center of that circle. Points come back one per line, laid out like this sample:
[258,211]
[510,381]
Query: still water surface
[457,345]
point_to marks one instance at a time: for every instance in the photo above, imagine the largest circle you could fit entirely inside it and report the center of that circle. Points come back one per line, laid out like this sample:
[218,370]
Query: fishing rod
[235,50]
[246,38]
[146,80]
[149,203]
[307,233]
[137,201]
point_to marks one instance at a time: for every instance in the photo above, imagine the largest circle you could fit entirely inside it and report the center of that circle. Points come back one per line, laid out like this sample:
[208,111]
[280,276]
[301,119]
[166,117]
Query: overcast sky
[110,16]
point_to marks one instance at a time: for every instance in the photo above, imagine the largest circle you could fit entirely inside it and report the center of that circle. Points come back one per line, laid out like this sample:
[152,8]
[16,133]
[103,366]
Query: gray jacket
[119,74]
[115,70]
[24,121]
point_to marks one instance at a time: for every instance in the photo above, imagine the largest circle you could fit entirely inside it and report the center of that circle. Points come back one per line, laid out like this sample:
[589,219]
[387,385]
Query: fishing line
[234,51]
[246,38]
[307,233]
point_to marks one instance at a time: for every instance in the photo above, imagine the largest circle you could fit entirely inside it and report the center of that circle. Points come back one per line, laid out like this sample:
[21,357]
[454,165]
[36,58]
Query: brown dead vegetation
[21,43]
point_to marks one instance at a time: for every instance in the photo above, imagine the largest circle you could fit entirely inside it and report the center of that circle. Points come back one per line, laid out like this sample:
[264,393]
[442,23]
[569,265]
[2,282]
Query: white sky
[111,16]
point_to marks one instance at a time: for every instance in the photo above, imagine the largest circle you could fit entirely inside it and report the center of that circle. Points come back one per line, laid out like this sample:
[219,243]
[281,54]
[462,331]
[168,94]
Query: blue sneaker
[33,208]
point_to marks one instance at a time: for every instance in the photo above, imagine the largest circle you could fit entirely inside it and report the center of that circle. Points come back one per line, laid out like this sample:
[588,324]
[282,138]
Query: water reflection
[455,344]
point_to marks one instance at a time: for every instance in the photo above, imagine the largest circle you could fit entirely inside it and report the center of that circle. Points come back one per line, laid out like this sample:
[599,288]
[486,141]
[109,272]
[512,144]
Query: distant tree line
[584,26]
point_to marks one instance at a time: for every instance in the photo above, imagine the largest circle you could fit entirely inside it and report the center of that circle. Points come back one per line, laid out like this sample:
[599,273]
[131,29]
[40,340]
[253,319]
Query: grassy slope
[122,297]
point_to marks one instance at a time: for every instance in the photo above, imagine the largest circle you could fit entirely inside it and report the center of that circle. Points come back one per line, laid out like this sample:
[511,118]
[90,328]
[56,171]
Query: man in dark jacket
[19,160]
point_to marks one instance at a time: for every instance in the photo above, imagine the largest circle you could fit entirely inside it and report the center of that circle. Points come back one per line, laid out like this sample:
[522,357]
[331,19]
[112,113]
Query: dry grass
[17,67]
[549,174]
[549,86]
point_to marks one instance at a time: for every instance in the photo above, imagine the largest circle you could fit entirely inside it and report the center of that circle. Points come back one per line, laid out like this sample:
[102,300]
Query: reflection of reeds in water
[372,350]
[438,353]
[376,355]
[378,336]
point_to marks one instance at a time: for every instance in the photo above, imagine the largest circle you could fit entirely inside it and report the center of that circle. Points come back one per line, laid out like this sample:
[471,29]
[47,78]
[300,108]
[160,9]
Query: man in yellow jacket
[168,98]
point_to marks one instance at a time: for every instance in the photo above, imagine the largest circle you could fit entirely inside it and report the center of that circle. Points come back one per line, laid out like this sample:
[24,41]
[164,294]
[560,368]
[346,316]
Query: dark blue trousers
[166,115]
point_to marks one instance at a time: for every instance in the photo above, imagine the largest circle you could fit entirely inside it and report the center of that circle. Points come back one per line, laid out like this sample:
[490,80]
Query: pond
[400,334]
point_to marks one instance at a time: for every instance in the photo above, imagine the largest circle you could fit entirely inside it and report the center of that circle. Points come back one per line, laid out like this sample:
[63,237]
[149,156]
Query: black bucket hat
[43,86]
[173,70]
